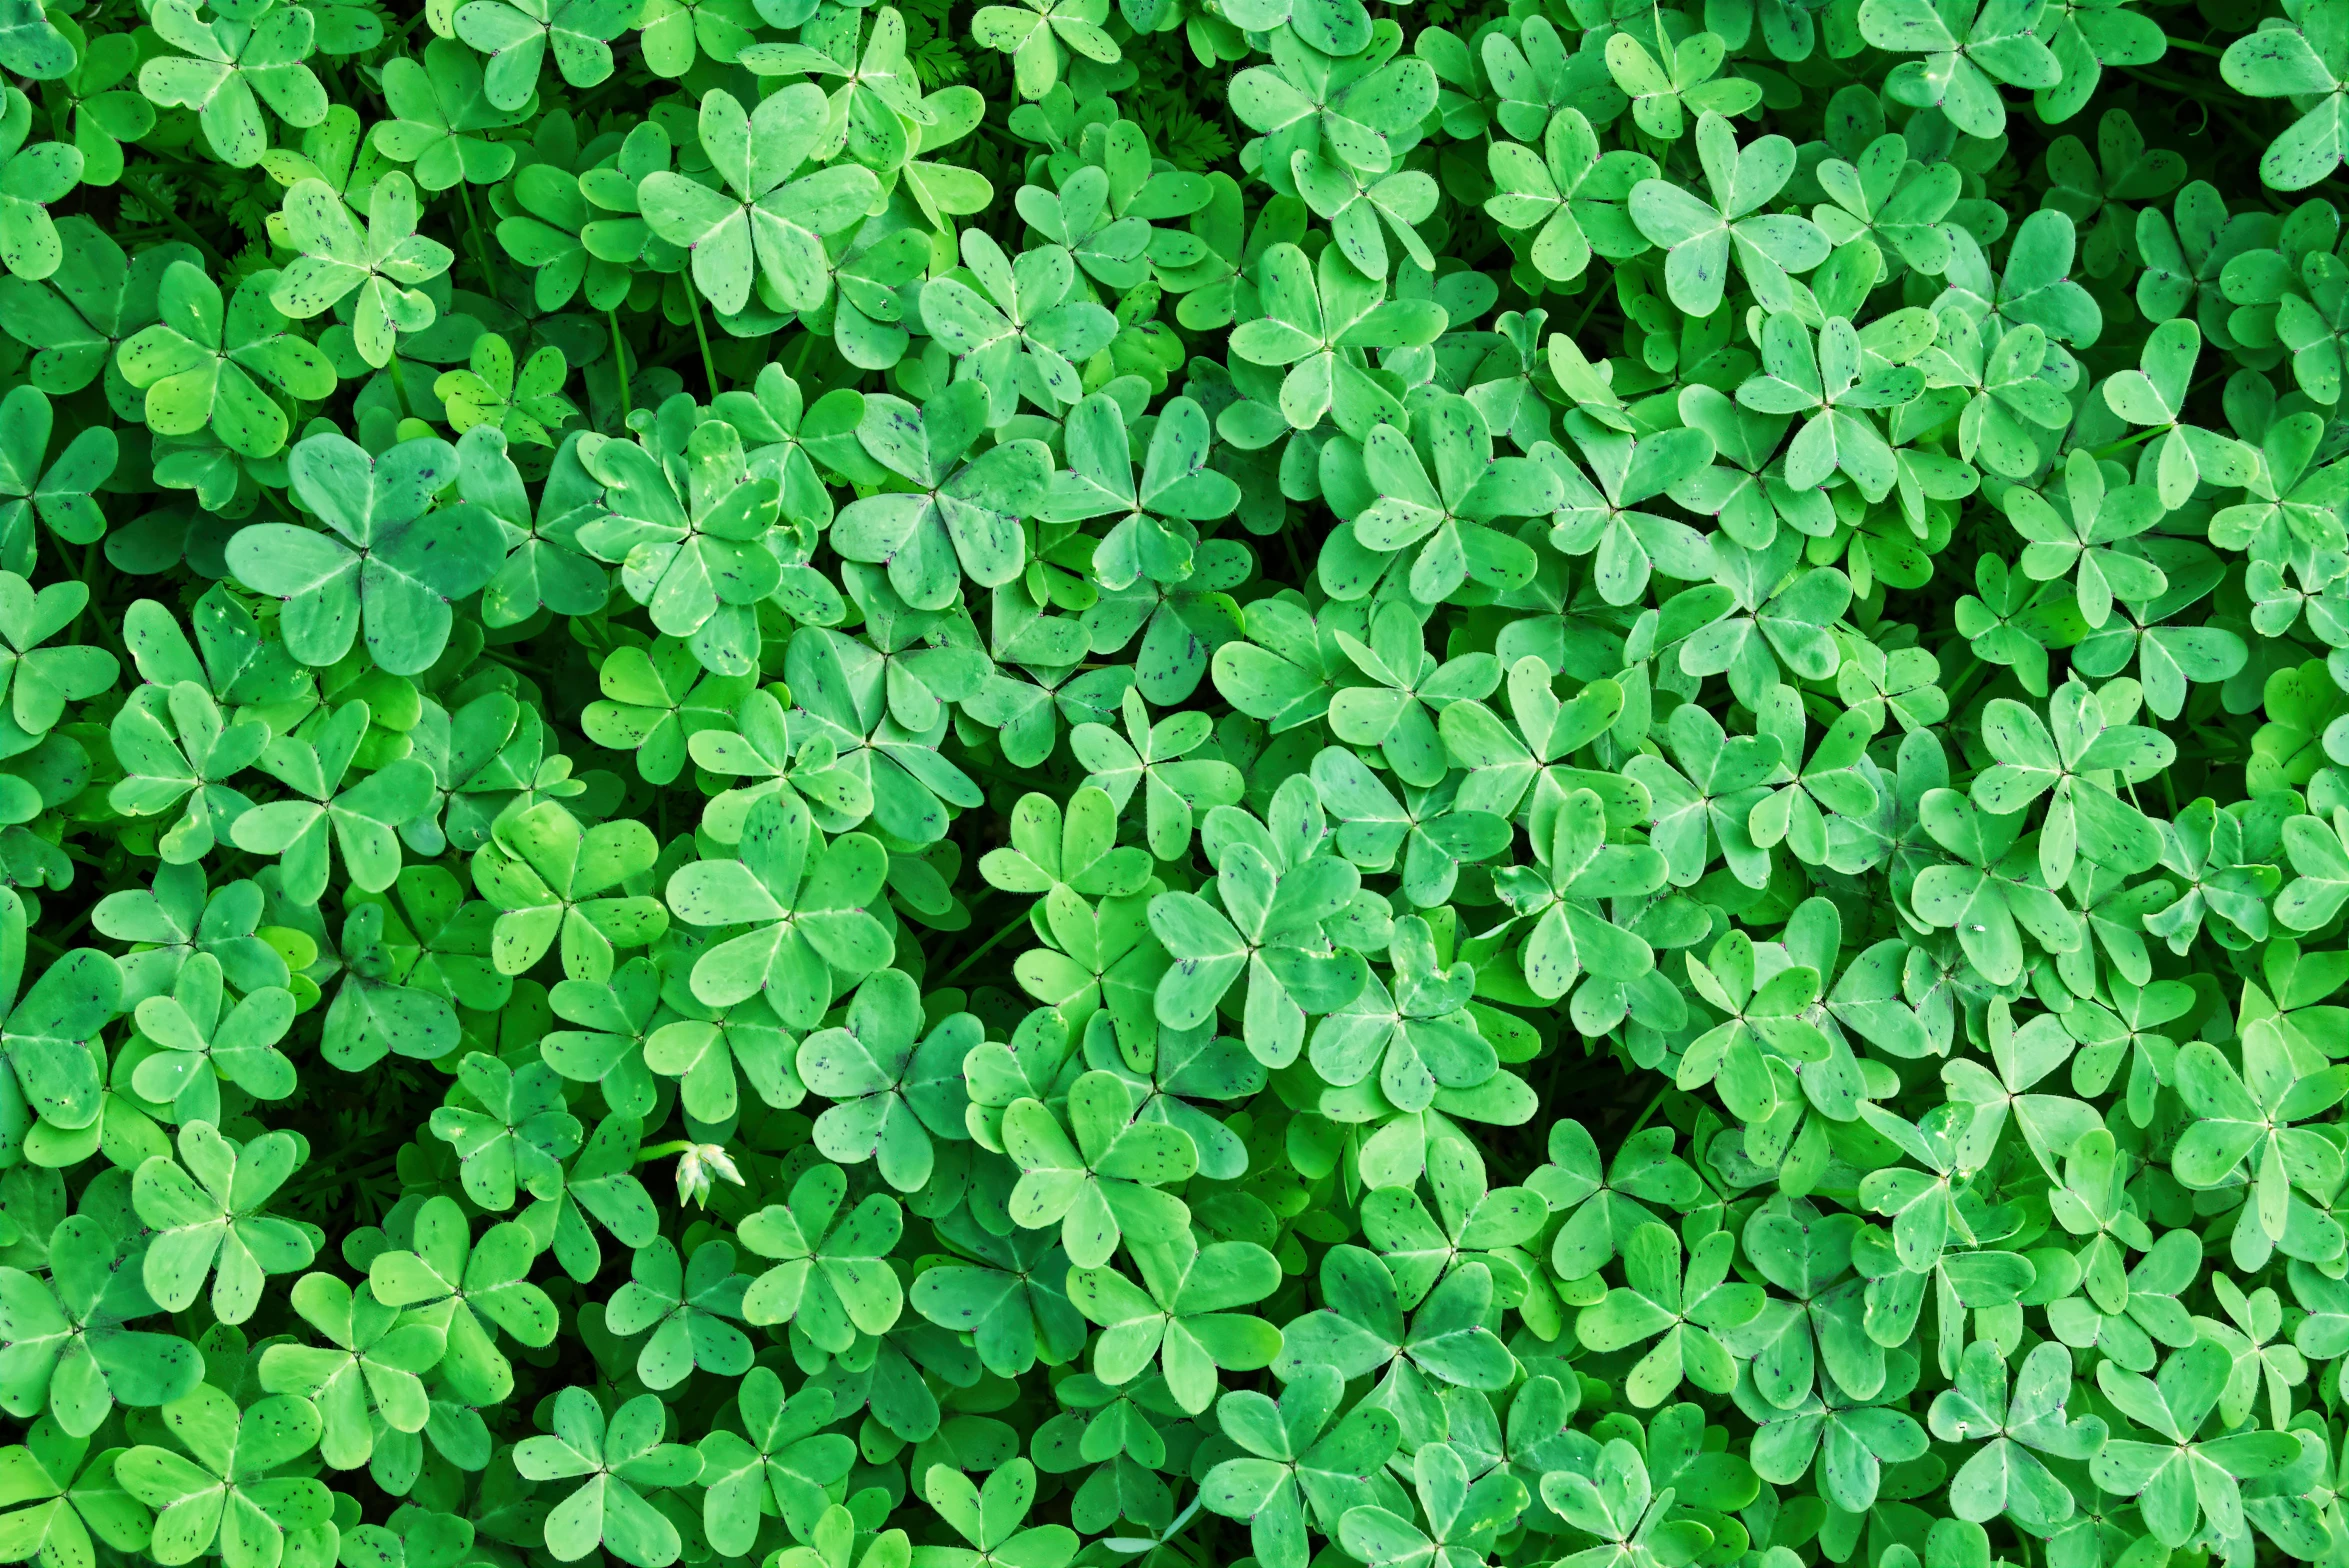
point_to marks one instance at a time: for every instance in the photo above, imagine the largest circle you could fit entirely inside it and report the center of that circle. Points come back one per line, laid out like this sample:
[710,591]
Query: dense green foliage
[846,785]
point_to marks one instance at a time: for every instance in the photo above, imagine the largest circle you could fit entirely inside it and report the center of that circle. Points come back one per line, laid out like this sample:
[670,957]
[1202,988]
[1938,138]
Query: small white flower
[697,1167]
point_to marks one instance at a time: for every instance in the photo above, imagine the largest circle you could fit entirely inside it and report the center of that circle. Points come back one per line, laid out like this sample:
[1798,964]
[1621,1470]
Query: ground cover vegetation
[861,785]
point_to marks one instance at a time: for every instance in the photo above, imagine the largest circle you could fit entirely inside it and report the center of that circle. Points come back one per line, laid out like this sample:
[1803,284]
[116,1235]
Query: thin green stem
[489,271]
[806,346]
[2191,47]
[662,1150]
[399,389]
[2184,89]
[178,225]
[88,575]
[709,366]
[73,927]
[1289,543]
[981,951]
[1650,1111]
[1965,672]
[326,1180]
[1597,292]
[2117,447]
[620,364]
[1964,688]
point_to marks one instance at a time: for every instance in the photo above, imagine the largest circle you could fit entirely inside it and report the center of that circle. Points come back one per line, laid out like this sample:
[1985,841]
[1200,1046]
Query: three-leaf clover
[782,1458]
[1702,236]
[384,266]
[468,1289]
[361,819]
[1102,1186]
[2006,1475]
[1295,1460]
[392,563]
[805,902]
[1658,1299]
[771,227]
[210,1220]
[616,1461]
[1971,47]
[2183,1477]
[68,1347]
[202,366]
[72,1496]
[834,1281]
[894,1095]
[222,1489]
[370,1370]
[686,1307]
[1183,1313]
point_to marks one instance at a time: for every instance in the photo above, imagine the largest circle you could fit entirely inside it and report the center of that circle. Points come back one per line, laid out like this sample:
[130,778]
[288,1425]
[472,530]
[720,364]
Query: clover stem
[1968,674]
[2183,89]
[178,225]
[1583,320]
[660,1151]
[89,572]
[399,384]
[489,272]
[1296,560]
[1650,1111]
[709,366]
[1184,1518]
[976,953]
[2140,437]
[620,363]
[2191,46]
[326,1179]
[73,927]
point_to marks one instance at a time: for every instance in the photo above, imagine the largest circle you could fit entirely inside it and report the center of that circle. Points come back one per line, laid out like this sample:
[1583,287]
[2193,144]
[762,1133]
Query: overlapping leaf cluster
[864,785]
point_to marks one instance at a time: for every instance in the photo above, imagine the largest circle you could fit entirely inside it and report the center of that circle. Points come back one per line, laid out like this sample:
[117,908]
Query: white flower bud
[696,1169]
